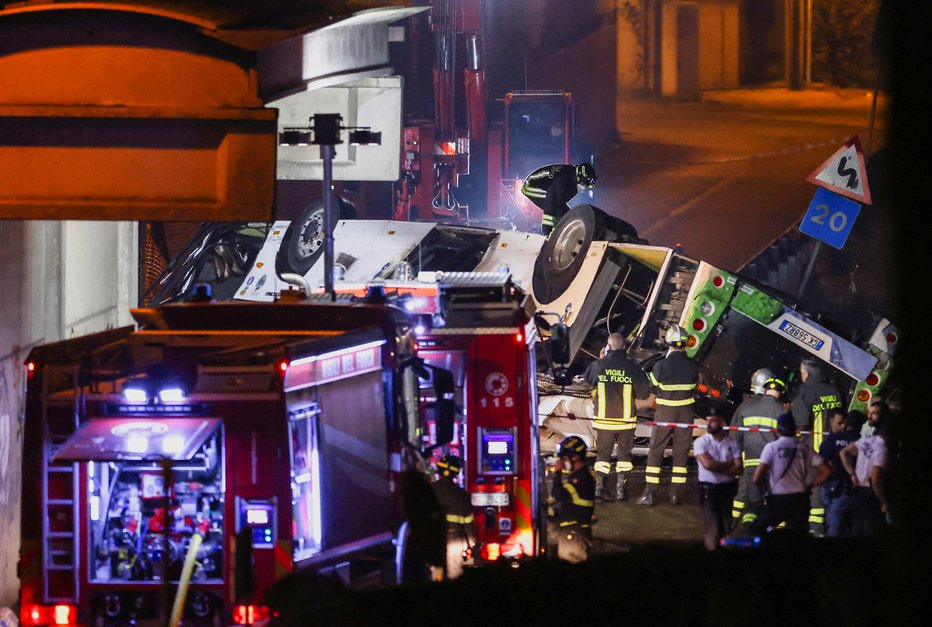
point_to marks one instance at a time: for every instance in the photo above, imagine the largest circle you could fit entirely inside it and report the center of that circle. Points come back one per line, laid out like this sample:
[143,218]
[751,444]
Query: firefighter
[618,381]
[758,412]
[674,379]
[812,408]
[457,507]
[574,500]
[553,186]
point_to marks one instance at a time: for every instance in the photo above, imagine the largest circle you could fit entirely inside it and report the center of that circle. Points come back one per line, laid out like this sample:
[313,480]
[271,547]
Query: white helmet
[676,336]
[759,378]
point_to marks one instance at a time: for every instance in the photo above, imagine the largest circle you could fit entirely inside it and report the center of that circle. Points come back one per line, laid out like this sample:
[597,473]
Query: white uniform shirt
[724,450]
[788,451]
[872,451]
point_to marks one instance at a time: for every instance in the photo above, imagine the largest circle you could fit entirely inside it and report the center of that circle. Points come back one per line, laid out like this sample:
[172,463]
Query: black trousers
[866,517]
[715,503]
[791,509]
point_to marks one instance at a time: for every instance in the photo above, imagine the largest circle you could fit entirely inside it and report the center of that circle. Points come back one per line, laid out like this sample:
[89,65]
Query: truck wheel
[563,253]
[303,243]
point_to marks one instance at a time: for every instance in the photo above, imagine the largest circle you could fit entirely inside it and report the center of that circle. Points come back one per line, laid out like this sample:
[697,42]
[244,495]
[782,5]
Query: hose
[185,579]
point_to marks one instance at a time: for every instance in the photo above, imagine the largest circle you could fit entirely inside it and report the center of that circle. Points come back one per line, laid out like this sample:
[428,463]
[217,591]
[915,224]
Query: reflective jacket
[812,408]
[618,381]
[674,379]
[456,506]
[574,500]
[760,411]
[550,188]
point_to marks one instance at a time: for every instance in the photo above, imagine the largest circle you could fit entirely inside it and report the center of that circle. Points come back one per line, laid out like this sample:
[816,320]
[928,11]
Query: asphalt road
[726,175]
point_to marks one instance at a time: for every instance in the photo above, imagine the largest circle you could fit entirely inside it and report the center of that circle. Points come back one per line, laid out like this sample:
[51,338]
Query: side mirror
[560,345]
[446,406]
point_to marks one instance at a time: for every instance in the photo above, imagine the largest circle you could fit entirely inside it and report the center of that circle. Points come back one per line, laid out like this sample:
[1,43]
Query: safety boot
[648,497]
[621,487]
[600,485]
[675,496]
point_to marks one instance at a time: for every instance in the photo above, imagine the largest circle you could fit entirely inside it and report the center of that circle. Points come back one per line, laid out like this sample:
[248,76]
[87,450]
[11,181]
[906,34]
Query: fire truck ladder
[60,522]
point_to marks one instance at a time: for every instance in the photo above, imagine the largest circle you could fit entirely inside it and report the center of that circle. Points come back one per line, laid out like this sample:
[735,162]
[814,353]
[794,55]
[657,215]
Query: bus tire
[303,243]
[564,252]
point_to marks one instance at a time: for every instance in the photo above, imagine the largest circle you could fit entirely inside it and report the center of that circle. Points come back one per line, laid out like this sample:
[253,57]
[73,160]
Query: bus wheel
[303,242]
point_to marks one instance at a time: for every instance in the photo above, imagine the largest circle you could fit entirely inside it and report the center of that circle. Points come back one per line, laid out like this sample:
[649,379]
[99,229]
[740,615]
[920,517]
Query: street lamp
[324,131]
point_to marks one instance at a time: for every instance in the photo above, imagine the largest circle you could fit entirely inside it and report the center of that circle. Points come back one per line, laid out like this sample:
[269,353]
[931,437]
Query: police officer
[674,379]
[812,407]
[618,381]
[761,412]
[553,186]
[574,500]
[457,507]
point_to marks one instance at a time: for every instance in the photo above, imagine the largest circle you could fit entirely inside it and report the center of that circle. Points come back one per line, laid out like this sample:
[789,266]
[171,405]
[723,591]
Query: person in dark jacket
[674,379]
[574,500]
[758,412]
[457,507]
[618,381]
[811,408]
[553,186]
[836,492]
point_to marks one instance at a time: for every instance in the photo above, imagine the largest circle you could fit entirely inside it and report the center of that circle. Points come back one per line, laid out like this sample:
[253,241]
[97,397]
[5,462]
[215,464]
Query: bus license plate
[487,499]
[801,334]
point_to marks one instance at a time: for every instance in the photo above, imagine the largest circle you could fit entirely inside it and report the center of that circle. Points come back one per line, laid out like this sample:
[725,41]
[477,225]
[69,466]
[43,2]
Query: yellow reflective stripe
[603,467]
[653,379]
[737,504]
[672,403]
[617,424]
[653,479]
[653,469]
[820,511]
[676,387]
[676,479]
[578,500]
[567,524]
[459,520]
[749,518]
[623,466]
[760,421]
[601,393]
[680,470]
[547,220]
[750,463]
[817,433]
[528,190]
[816,519]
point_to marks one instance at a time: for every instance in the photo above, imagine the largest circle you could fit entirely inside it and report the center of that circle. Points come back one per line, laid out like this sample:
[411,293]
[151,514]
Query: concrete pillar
[680,51]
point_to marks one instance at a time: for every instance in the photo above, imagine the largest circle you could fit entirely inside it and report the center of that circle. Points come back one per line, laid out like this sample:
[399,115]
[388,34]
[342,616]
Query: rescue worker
[553,186]
[674,379]
[457,507]
[811,408]
[618,381]
[574,500]
[782,475]
[758,412]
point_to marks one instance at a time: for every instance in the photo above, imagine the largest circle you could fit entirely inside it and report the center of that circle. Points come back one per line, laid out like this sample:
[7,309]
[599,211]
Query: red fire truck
[480,328]
[238,442]
[275,432]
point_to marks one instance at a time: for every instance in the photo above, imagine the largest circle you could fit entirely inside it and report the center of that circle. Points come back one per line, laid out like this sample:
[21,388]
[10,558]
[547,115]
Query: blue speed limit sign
[830,218]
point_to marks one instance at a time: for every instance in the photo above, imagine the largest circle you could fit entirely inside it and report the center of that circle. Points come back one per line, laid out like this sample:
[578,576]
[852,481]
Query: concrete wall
[718,45]
[59,279]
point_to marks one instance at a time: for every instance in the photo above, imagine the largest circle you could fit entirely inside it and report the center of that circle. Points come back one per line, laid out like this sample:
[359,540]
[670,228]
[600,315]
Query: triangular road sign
[844,173]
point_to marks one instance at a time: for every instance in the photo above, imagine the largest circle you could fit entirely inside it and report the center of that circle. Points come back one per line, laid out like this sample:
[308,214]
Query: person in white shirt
[784,466]
[865,460]
[720,464]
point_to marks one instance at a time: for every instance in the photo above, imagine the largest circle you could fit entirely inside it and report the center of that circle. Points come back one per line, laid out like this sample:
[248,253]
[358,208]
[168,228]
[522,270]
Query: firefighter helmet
[774,383]
[450,465]
[571,447]
[759,378]
[585,174]
[676,336]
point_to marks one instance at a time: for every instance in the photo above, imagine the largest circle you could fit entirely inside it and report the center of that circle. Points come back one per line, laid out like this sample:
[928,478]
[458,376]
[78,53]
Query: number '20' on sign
[830,218]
